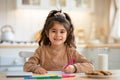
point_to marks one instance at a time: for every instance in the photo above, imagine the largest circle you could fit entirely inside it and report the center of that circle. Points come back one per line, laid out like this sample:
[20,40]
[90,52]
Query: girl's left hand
[69,69]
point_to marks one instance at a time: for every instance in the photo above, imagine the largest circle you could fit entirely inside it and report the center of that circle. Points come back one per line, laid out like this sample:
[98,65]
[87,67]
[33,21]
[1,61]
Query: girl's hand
[69,69]
[40,70]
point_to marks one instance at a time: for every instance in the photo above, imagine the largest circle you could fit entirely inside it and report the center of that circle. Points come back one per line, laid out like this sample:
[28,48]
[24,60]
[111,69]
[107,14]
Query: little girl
[57,47]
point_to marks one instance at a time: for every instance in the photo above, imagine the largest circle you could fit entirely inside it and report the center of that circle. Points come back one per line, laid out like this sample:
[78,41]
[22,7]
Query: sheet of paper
[60,73]
[56,72]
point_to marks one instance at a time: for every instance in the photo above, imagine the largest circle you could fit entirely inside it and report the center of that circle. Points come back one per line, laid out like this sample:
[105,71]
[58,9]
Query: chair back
[25,54]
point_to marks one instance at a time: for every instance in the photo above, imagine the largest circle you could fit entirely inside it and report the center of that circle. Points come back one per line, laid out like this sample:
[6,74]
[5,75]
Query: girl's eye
[53,31]
[62,32]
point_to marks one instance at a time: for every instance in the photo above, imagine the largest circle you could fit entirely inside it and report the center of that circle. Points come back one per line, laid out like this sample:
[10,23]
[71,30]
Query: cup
[103,62]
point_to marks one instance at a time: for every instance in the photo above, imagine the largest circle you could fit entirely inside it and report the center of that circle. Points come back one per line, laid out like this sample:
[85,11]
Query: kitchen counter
[98,45]
[78,46]
[18,46]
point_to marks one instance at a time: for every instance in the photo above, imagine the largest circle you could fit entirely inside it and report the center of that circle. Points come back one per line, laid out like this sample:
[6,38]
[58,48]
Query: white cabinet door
[28,4]
[86,5]
[80,5]
[10,58]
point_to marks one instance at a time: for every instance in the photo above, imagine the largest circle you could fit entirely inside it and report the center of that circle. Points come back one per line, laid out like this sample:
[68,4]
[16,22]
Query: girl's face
[57,34]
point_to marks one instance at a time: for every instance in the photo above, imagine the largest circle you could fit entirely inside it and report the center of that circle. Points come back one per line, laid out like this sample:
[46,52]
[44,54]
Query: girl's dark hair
[62,18]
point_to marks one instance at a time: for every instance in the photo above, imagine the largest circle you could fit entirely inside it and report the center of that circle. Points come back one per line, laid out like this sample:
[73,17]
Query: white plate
[100,76]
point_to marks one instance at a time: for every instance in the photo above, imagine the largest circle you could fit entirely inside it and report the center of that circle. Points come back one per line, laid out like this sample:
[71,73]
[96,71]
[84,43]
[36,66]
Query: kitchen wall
[27,22]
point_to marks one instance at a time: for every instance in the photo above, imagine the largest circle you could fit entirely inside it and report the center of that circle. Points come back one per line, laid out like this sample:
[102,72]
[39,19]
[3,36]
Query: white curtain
[115,19]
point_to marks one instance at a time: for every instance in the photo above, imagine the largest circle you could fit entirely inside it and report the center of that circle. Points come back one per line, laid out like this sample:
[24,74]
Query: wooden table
[78,77]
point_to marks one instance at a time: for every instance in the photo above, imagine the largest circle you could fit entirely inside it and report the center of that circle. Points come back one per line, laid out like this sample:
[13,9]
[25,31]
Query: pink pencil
[70,62]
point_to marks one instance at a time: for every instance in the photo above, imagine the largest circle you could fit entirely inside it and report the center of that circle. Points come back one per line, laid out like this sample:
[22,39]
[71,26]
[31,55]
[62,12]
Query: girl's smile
[57,34]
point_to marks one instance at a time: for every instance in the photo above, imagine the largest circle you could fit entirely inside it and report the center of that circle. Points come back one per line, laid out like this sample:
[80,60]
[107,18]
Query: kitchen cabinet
[113,56]
[57,4]
[28,4]
[10,59]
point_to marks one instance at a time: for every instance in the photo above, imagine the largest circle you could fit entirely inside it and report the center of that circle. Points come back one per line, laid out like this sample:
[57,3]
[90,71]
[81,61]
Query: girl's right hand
[40,70]
[69,69]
